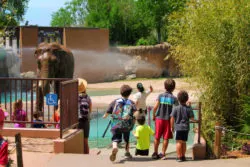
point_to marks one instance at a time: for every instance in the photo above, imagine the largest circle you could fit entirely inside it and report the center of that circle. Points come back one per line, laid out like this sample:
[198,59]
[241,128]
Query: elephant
[53,61]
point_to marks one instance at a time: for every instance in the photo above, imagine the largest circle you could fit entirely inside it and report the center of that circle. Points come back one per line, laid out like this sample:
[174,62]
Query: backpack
[83,102]
[122,116]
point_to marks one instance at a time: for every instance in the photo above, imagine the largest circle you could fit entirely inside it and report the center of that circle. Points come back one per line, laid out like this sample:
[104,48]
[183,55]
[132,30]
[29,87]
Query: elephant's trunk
[43,87]
[44,73]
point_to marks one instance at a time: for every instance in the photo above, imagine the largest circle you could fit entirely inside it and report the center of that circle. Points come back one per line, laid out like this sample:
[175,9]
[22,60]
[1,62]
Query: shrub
[142,41]
[211,43]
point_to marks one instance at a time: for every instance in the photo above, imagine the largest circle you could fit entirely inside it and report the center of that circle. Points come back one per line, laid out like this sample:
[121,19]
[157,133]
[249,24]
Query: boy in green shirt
[142,134]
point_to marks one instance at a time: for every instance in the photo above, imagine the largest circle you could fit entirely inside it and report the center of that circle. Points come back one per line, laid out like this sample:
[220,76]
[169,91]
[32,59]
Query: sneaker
[179,159]
[155,156]
[128,155]
[113,155]
[162,156]
[183,158]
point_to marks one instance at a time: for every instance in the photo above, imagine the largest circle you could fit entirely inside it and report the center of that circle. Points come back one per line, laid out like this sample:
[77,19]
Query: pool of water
[14,96]
[17,95]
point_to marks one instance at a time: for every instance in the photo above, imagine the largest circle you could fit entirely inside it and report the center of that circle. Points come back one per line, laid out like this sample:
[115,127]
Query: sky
[39,11]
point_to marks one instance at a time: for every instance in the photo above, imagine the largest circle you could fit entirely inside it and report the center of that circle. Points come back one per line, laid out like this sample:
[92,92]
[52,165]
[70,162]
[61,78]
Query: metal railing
[196,106]
[68,105]
[32,93]
[98,126]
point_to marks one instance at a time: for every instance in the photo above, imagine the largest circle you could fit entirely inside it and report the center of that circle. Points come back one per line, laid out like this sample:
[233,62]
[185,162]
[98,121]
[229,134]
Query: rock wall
[155,57]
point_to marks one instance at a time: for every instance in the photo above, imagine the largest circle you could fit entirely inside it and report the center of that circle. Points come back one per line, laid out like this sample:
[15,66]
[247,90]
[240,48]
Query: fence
[32,92]
[226,140]
[196,106]
[69,105]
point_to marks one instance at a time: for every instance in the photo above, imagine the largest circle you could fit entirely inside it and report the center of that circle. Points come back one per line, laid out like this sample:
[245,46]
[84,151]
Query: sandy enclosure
[157,84]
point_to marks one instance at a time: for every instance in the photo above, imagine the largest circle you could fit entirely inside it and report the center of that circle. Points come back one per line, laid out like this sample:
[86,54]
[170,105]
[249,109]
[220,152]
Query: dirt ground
[157,84]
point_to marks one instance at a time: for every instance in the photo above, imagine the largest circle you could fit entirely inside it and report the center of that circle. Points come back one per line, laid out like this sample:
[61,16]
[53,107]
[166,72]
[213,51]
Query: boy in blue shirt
[37,122]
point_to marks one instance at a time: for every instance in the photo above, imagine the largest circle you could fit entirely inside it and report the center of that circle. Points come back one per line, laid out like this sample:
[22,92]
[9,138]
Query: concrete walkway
[37,159]
[73,160]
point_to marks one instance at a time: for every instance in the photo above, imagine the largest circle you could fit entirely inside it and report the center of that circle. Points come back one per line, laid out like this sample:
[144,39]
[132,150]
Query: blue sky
[39,11]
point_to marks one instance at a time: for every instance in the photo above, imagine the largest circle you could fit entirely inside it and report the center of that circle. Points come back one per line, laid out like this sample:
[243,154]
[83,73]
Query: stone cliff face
[154,57]
[127,63]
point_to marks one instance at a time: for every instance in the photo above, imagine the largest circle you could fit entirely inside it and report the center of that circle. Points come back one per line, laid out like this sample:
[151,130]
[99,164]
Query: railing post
[217,142]
[199,124]
[19,153]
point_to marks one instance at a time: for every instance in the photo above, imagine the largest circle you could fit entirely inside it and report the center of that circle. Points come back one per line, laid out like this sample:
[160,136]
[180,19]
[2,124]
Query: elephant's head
[54,61]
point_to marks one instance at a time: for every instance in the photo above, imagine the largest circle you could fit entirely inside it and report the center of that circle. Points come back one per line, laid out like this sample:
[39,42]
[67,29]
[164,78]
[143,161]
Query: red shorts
[162,128]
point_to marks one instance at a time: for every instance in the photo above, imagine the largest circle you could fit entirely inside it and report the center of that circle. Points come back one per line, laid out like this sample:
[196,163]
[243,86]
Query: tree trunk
[158,29]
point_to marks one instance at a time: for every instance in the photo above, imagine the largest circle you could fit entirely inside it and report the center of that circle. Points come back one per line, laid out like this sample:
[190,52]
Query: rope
[228,130]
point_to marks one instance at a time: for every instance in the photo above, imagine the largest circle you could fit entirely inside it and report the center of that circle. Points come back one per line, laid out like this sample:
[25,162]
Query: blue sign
[51,99]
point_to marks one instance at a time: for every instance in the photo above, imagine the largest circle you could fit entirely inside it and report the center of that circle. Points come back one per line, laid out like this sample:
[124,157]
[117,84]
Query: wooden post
[217,143]
[19,153]
[199,123]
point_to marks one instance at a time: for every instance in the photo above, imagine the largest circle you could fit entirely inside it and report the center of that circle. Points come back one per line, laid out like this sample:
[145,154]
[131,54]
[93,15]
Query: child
[19,114]
[122,122]
[56,116]
[38,123]
[3,143]
[141,96]
[180,122]
[142,134]
[163,106]
[85,108]
[6,114]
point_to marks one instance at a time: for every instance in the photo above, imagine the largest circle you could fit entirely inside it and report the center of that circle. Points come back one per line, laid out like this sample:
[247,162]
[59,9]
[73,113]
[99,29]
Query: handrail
[32,122]
[44,79]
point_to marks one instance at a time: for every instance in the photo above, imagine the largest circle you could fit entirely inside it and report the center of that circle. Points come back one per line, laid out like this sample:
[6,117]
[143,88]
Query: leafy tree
[12,12]
[62,18]
[73,14]
[211,42]
[98,13]
[120,17]
[154,13]
[127,20]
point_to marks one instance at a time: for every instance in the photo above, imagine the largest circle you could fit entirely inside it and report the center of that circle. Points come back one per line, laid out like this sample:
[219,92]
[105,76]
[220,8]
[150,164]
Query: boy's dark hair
[125,90]
[141,119]
[36,115]
[182,96]
[169,85]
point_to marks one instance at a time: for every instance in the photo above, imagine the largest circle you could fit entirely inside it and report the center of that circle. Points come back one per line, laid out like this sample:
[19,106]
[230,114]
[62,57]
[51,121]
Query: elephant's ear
[57,50]
[38,51]
[41,47]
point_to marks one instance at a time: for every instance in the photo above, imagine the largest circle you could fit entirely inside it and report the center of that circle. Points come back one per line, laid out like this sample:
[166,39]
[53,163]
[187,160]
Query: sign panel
[51,99]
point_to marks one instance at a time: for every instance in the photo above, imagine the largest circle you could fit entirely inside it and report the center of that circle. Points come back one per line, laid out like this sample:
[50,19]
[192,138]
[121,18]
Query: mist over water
[93,65]
[110,64]
[99,60]
[28,50]
[9,63]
